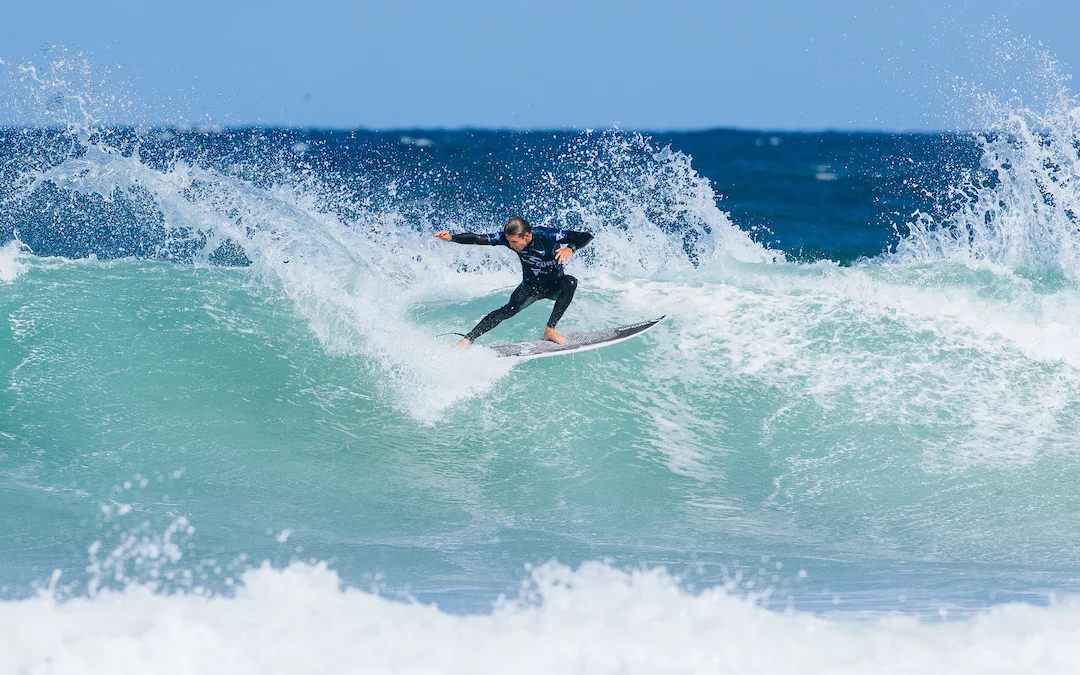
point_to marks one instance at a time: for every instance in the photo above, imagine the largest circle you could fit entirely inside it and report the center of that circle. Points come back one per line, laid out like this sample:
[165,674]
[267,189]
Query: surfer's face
[519,242]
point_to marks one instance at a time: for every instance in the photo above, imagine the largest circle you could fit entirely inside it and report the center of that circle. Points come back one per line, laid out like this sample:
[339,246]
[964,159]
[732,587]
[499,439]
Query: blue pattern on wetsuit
[538,264]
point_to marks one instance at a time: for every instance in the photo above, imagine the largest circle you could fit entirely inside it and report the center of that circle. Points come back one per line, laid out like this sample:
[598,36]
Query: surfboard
[575,342]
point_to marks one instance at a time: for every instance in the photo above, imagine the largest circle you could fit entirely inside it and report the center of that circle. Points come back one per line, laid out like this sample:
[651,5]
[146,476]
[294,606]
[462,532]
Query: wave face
[223,348]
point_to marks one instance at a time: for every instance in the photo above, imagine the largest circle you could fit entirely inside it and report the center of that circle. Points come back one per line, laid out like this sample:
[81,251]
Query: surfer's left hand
[563,254]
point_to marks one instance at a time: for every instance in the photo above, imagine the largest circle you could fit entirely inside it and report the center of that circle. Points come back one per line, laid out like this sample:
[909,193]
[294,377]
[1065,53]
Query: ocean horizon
[237,437]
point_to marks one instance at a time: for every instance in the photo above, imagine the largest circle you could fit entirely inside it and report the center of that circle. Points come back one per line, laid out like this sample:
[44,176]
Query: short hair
[517,227]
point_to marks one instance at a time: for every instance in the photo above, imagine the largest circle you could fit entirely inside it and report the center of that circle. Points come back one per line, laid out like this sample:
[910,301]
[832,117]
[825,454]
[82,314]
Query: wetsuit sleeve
[478,239]
[575,240]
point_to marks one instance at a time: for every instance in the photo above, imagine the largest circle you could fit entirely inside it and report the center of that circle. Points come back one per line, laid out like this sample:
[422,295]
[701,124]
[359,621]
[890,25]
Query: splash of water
[352,266]
[592,620]
[356,281]
[1021,209]
[11,265]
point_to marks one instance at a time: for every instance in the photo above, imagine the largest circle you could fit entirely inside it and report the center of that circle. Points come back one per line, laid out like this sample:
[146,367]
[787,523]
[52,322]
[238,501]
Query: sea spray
[354,280]
[1021,208]
[10,264]
[250,328]
[592,620]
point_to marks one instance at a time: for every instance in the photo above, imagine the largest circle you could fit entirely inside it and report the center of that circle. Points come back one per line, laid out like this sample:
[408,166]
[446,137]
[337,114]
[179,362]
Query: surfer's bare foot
[463,343]
[551,335]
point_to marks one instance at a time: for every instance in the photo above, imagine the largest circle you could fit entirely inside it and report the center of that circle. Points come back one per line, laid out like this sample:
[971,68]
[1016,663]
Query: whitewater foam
[1021,208]
[350,283]
[11,266]
[907,409]
[358,282]
[871,338]
[596,619]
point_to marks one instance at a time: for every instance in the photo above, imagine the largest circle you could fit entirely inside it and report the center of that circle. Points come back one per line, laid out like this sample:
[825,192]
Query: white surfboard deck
[575,342]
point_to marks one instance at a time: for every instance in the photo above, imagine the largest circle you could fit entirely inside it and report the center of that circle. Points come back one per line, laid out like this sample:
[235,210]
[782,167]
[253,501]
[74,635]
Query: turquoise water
[232,431]
[785,415]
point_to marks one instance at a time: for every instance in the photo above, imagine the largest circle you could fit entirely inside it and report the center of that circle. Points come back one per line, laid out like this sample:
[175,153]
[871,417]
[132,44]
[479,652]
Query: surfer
[543,251]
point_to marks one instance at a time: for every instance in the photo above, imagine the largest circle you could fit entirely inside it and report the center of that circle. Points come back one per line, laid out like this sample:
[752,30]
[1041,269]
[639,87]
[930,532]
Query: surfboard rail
[575,342]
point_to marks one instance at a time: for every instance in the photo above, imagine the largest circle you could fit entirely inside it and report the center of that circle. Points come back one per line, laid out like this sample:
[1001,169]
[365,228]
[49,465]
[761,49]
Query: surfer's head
[518,233]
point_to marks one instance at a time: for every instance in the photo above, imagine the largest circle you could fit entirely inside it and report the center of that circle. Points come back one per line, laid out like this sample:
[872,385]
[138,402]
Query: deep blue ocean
[235,438]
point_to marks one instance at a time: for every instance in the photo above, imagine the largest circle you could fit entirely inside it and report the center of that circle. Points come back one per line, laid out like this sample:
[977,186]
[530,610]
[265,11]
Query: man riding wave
[543,251]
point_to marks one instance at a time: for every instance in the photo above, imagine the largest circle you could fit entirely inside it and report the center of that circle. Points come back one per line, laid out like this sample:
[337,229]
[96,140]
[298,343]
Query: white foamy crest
[649,208]
[893,346]
[338,277]
[1021,209]
[592,621]
[356,282]
[11,265]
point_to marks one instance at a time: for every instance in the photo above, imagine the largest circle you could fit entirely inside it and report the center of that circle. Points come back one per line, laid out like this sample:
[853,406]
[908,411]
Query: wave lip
[593,620]
[1021,208]
[10,264]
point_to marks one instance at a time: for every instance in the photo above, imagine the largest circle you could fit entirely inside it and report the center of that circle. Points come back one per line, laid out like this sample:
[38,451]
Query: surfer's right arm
[468,238]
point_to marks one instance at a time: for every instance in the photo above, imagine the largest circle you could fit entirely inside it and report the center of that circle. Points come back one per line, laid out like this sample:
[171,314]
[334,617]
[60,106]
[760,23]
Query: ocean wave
[257,331]
[11,265]
[595,619]
[1021,207]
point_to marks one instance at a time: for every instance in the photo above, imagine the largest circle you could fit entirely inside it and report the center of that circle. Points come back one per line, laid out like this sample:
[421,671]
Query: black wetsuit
[541,275]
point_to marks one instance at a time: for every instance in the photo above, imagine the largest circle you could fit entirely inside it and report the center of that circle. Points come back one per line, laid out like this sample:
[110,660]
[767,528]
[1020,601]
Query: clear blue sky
[677,64]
